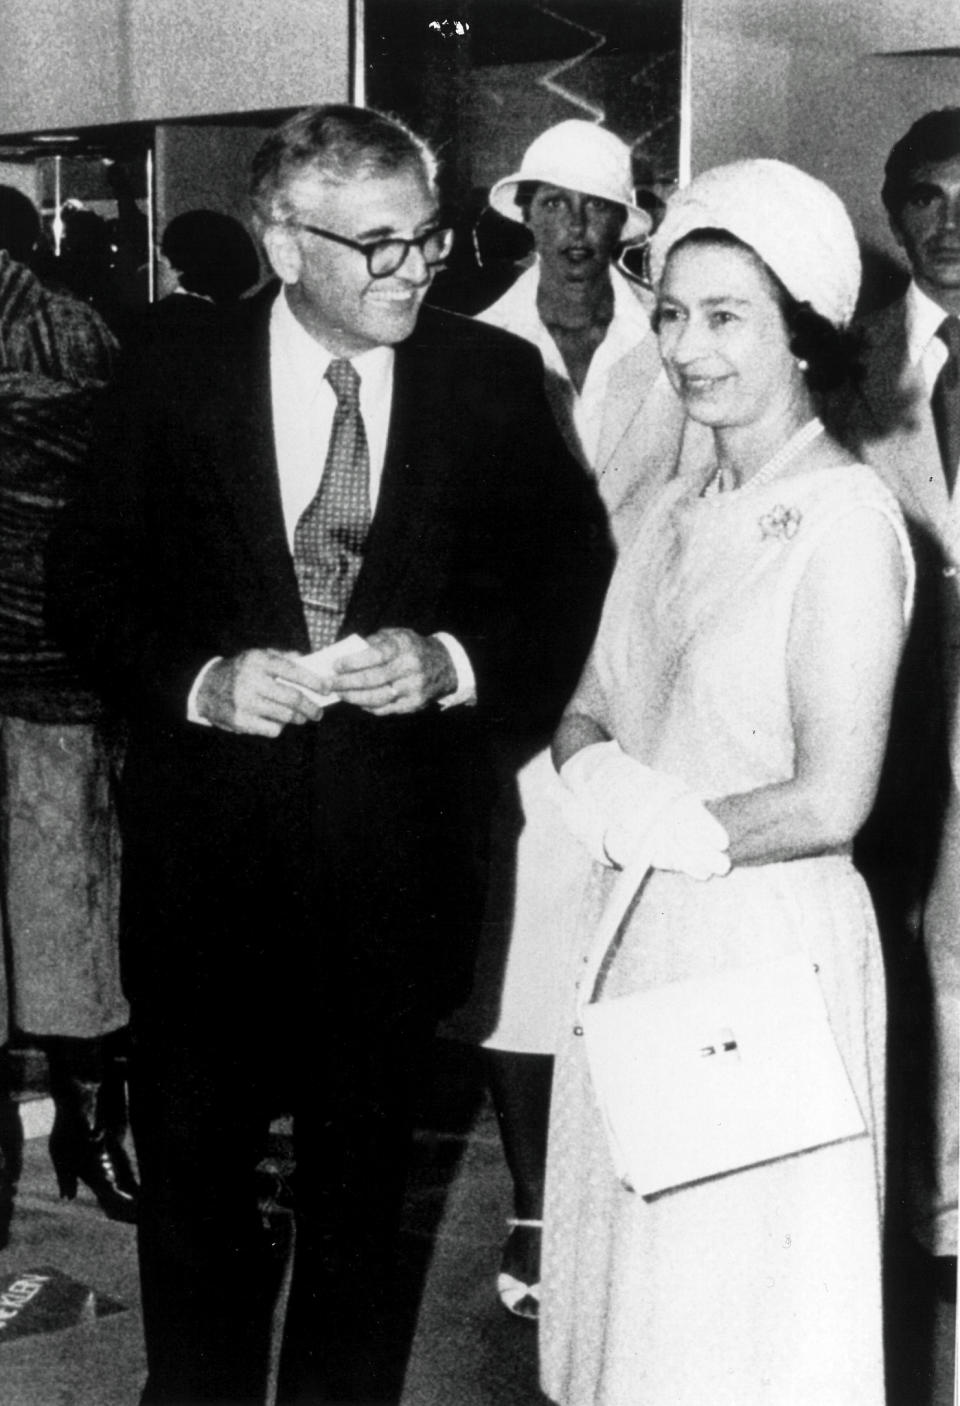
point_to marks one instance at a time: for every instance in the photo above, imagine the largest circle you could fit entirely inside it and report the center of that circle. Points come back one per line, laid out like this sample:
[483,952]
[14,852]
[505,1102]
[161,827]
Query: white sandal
[518,1298]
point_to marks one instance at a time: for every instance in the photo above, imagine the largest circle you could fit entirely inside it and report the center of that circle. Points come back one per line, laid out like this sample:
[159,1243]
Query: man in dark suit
[302,881]
[904,419]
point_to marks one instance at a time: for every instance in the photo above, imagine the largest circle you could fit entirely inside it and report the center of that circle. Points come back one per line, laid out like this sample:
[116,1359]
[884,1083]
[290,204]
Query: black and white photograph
[479,702]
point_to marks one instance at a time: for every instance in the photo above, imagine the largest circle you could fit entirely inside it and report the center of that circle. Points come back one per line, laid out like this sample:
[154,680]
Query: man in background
[207,262]
[905,421]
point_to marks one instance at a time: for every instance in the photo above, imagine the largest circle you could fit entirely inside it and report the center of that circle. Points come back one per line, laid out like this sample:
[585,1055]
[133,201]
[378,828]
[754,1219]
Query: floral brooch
[780,522]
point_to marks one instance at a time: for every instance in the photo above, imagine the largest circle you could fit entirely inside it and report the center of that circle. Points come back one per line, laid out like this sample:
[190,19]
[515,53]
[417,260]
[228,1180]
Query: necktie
[945,401]
[330,535]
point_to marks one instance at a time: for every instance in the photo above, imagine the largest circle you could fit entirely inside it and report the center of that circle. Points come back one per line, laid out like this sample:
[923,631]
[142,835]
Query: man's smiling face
[329,286]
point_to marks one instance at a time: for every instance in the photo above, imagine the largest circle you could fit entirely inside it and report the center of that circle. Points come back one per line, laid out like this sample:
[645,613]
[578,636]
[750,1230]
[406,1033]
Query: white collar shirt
[926,353]
[629,325]
[303,409]
[517,311]
[303,404]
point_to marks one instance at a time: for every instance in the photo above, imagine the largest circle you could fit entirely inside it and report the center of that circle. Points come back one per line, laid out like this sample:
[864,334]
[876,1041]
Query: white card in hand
[320,661]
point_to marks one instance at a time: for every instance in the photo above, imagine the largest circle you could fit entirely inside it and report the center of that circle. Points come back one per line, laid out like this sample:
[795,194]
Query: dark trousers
[283,955]
[200,1114]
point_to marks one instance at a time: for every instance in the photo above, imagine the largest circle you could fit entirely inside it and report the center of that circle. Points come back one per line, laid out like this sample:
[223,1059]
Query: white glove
[623,810]
[610,791]
[684,837]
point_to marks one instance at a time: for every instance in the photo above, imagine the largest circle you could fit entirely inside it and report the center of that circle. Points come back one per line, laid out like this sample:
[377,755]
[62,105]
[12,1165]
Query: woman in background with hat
[623,422]
[574,193]
[731,724]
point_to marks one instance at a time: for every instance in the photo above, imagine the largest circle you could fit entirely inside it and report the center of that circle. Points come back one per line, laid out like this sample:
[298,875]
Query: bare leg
[520,1088]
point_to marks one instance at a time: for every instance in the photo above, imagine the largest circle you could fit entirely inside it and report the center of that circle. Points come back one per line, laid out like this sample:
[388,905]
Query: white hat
[795,223]
[581,156]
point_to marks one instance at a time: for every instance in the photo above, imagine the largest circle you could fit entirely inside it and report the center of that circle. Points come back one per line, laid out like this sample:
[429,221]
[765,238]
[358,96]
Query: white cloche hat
[797,225]
[581,156]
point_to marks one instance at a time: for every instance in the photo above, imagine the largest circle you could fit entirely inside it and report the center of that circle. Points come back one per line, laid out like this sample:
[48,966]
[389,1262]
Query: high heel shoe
[84,1145]
[81,1151]
[518,1297]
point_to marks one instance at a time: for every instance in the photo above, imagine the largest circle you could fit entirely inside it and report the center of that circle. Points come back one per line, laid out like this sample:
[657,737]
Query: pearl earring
[802,365]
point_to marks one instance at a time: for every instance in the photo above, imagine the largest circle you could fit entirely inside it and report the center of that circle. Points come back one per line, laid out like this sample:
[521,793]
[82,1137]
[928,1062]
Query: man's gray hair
[340,143]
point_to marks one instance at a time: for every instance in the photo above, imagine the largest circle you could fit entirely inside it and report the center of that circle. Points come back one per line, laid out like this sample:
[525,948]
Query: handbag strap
[628,885]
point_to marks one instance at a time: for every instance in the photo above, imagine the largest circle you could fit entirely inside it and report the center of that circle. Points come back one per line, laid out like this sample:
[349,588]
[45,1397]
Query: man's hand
[398,672]
[249,693]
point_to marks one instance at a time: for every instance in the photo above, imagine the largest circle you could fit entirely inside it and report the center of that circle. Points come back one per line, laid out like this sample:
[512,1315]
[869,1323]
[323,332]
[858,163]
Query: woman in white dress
[731,722]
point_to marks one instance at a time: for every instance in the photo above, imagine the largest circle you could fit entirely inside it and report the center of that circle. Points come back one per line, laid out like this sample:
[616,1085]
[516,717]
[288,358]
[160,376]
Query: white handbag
[706,1076]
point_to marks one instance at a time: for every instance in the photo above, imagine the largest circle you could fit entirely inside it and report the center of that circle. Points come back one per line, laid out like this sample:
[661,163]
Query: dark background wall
[489,76]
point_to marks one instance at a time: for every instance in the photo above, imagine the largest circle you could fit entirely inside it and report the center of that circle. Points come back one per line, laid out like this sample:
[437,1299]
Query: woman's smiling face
[722,334]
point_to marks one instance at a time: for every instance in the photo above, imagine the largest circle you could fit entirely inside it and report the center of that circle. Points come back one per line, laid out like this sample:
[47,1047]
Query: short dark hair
[19,224]
[933,137]
[213,254]
[340,142]
[832,354]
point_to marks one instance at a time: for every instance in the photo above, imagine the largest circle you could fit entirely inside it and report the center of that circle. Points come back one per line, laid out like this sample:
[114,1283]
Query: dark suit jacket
[179,315]
[485,527]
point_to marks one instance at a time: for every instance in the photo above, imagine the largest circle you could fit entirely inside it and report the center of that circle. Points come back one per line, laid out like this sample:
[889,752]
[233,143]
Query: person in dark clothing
[304,836]
[59,853]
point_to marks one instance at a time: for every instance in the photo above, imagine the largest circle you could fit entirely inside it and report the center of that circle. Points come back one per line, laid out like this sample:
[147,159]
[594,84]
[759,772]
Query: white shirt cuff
[466,689]
[192,715]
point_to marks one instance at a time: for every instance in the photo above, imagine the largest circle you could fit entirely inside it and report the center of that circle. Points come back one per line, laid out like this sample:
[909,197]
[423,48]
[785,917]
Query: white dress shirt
[925,351]
[303,404]
[303,408]
[517,311]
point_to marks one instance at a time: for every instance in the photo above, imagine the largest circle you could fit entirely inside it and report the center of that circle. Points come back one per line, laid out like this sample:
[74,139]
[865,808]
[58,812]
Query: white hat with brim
[577,155]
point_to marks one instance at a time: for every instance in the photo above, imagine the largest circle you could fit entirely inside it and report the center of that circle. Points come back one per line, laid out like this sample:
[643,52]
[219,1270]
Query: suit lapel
[900,438]
[244,459]
[412,470]
[243,453]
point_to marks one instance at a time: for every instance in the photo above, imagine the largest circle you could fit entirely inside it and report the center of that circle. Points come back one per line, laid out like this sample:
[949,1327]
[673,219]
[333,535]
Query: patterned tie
[329,538]
[945,401]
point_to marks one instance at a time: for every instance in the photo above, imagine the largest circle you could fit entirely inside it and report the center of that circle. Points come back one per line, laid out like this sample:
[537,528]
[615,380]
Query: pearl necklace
[785,455]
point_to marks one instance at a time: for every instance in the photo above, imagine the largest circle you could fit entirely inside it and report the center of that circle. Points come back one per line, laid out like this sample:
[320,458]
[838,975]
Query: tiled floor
[465,1352]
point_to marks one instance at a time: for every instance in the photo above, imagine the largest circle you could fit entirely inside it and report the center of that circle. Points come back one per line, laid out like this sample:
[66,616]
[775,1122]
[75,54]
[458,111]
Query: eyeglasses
[386,256]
